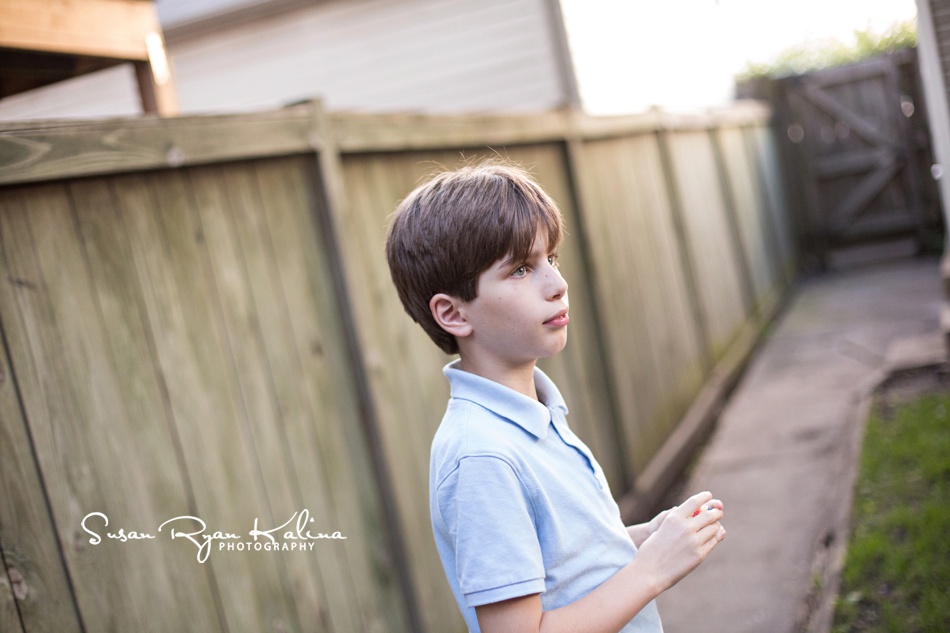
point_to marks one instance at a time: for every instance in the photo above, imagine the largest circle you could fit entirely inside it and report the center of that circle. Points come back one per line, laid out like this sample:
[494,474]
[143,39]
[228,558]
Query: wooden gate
[858,146]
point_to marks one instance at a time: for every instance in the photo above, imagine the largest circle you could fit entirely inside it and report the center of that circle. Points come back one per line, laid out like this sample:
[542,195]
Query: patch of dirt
[906,385]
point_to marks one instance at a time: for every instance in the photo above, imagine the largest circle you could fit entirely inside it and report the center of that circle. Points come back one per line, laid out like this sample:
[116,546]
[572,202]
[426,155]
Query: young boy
[529,535]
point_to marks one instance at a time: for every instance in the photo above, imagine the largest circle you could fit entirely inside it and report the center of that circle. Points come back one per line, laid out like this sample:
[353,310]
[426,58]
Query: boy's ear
[445,310]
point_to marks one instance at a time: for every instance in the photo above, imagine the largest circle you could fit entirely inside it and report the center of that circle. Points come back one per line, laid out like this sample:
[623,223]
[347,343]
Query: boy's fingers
[710,544]
[705,518]
[712,534]
[712,504]
[694,503]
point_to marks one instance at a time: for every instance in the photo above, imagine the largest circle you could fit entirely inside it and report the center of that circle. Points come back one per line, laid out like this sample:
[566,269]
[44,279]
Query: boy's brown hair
[454,227]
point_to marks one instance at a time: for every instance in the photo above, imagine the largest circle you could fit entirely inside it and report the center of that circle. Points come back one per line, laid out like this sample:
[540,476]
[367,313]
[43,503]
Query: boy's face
[520,313]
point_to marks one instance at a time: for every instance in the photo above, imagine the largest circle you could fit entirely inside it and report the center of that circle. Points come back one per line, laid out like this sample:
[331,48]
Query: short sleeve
[489,514]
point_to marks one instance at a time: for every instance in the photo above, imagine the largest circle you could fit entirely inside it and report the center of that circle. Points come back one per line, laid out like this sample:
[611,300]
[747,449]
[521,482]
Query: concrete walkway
[783,455]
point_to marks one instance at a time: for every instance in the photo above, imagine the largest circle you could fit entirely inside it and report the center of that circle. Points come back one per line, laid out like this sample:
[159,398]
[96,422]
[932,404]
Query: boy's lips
[559,319]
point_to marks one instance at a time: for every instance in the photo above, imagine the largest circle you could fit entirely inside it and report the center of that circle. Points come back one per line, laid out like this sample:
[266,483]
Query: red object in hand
[698,510]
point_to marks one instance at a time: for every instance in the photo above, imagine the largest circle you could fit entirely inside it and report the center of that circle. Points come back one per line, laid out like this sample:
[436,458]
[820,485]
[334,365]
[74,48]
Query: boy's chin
[556,349]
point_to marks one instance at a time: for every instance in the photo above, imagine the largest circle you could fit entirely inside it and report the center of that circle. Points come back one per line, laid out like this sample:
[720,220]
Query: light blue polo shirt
[519,504]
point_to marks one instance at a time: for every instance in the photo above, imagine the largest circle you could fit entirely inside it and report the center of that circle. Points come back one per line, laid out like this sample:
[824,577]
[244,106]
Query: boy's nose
[557,284]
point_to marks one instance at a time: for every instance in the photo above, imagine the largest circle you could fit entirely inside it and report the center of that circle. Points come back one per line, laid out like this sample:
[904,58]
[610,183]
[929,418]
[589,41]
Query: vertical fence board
[34,587]
[656,358]
[86,465]
[320,586]
[769,167]
[26,312]
[240,320]
[9,617]
[750,211]
[717,270]
[150,445]
[168,250]
[287,192]
[700,325]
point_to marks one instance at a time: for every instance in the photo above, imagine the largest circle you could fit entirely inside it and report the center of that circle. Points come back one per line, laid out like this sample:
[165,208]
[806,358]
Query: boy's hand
[655,522]
[682,539]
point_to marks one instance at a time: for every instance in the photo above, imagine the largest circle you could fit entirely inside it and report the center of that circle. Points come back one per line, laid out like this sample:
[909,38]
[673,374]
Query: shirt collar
[530,414]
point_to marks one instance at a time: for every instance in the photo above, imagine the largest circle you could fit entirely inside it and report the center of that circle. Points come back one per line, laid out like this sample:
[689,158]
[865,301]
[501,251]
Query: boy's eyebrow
[513,259]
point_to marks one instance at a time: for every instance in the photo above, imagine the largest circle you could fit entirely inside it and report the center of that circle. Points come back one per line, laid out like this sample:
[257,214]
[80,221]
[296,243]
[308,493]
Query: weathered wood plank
[654,350]
[31,530]
[124,463]
[850,163]
[688,264]
[769,209]
[288,192]
[148,443]
[592,128]
[736,243]
[706,224]
[235,225]
[34,587]
[408,132]
[34,151]
[769,165]
[750,210]
[667,466]
[53,370]
[295,416]
[180,300]
[9,618]
[53,150]
[68,388]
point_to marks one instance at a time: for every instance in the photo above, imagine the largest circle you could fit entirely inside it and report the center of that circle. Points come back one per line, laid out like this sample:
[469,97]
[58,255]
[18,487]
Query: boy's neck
[520,378]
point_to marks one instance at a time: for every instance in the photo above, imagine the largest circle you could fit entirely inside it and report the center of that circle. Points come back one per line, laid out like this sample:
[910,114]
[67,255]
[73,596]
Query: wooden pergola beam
[120,30]
[95,28]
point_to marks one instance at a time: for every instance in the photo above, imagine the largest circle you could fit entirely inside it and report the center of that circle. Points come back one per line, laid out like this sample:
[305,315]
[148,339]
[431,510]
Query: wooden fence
[197,321]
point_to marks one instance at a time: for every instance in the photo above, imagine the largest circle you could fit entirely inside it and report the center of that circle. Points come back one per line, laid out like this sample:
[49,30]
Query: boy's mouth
[559,319]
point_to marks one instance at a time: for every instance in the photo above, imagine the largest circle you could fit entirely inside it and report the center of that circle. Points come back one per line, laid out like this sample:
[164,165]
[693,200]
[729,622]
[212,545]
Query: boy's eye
[520,271]
[552,260]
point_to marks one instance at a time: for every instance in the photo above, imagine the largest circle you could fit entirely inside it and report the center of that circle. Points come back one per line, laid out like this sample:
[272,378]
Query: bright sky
[682,54]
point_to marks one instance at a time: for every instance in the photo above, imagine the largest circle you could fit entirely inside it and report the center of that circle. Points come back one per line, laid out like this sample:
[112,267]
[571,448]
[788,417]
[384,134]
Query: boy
[529,535]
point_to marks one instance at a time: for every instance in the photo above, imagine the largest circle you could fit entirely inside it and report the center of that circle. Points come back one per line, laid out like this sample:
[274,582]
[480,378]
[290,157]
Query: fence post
[682,241]
[748,288]
[332,191]
[573,145]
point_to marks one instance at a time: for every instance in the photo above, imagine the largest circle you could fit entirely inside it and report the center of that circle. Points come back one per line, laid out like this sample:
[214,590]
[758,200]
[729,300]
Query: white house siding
[446,56]
[933,48]
[111,92]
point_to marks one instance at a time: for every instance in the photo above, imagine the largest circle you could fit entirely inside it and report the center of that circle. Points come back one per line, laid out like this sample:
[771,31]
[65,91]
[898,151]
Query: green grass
[897,572]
